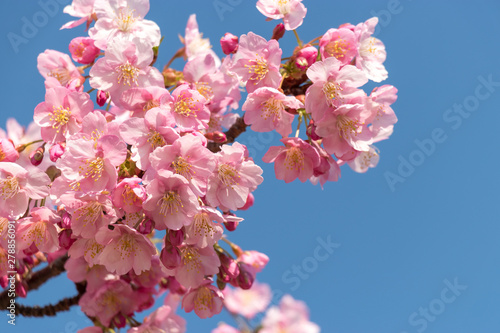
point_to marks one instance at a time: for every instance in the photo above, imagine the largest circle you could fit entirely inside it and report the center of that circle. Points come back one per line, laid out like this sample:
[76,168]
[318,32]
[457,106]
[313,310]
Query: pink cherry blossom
[291,11]
[79,8]
[112,298]
[189,158]
[265,111]
[371,51]
[340,43]
[129,195]
[333,85]
[89,212]
[196,263]
[291,316]
[346,128]
[124,249]
[91,166]
[123,19]
[38,229]
[162,319]
[82,50]
[297,159]
[57,69]
[141,100]
[365,160]
[257,62]
[204,231]
[8,152]
[206,301]
[224,328]
[383,115]
[17,185]
[147,134]
[229,43]
[195,44]
[170,202]
[88,248]
[248,303]
[187,106]
[61,114]
[125,65]
[234,178]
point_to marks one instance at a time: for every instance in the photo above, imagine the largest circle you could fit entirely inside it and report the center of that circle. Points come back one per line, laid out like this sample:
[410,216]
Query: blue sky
[416,253]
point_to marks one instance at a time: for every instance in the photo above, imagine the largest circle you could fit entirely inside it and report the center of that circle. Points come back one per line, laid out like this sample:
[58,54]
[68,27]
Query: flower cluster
[105,170]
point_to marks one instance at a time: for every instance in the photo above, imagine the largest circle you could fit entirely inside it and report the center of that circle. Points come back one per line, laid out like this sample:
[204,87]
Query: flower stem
[298,38]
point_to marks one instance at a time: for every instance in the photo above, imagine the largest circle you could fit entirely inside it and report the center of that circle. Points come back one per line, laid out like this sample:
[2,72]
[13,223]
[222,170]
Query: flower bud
[278,31]
[231,226]
[56,151]
[4,282]
[311,131]
[309,54]
[176,237]
[170,257]
[229,43]
[102,97]
[171,76]
[65,240]
[301,63]
[245,279]
[31,250]
[175,287]
[249,203]
[83,50]
[229,266]
[36,157]
[120,321]
[146,226]
[219,137]
[65,222]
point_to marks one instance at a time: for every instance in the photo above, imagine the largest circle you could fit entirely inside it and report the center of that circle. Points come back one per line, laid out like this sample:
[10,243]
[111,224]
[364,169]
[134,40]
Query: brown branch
[52,310]
[37,279]
[238,127]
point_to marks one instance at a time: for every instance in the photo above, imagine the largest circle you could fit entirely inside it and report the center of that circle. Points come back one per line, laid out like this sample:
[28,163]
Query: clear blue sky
[400,247]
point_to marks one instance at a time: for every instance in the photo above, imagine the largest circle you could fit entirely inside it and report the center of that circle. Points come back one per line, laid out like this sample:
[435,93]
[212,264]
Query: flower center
[337,48]
[332,91]
[155,139]
[184,106]
[284,7]
[2,154]
[125,19]
[191,259]
[59,117]
[9,187]
[294,159]
[129,196]
[203,225]
[36,233]
[182,167]
[89,213]
[205,90]
[272,108]
[368,47]
[61,74]
[126,246]
[258,69]
[93,247]
[92,169]
[204,299]
[170,202]
[228,174]
[152,103]
[347,126]
[127,74]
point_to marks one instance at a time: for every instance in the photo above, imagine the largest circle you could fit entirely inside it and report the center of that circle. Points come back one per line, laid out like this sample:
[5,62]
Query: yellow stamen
[92,169]
[155,139]
[89,213]
[272,108]
[9,187]
[61,74]
[182,167]
[347,126]
[128,74]
[59,117]
[169,203]
[125,19]
[191,259]
[294,159]
[228,174]
[332,91]
[258,69]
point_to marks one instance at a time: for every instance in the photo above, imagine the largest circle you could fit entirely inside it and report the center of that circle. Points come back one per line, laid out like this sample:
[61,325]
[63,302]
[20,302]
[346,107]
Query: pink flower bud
[175,287]
[176,237]
[309,53]
[229,43]
[56,151]
[170,257]
[229,266]
[245,279]
[102,97]
[36,157]
[4,282]
[65,240]
[301,63]
[120,321]
[65,222]
[231,226]
[146,226]
[278,31]
[31,250]
[311,131]
[249,203]
[83,50]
